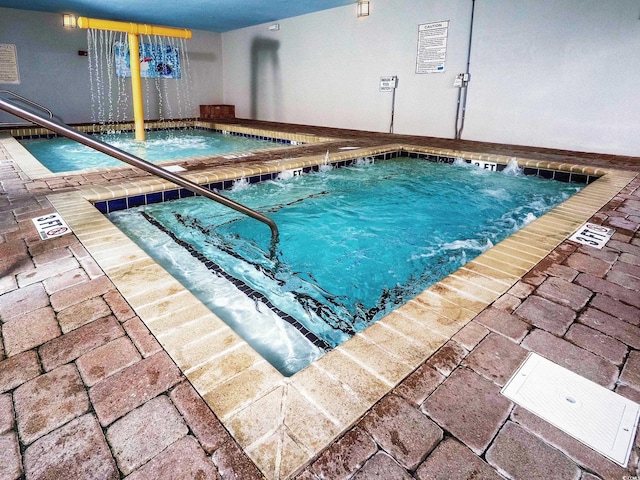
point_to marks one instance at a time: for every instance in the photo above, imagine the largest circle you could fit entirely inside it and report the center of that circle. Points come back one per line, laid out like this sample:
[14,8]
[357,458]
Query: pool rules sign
[50,226]
[432,47]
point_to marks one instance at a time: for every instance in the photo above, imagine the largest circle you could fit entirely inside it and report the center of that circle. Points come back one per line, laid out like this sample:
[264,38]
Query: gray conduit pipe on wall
[465,82]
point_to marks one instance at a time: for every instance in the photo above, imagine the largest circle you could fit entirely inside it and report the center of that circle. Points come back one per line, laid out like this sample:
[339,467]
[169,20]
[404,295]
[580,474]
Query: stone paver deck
[87,391]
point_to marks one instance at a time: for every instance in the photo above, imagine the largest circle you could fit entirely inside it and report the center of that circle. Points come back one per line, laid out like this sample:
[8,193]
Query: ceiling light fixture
[69,21]
[363,8]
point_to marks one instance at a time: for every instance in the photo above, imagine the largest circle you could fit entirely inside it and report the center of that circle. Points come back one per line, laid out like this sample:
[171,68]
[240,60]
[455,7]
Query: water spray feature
[133,31]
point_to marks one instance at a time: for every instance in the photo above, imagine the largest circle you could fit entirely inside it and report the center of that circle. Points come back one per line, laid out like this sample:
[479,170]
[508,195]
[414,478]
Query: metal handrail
[67,131]
[28,102]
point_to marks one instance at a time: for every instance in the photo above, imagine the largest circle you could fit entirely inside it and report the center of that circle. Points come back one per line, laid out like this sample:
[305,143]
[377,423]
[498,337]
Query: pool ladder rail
[65,130]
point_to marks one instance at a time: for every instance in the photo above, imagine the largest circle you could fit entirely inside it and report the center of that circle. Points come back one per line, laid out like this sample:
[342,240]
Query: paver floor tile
[118,305]
[346,455]
[565,293]
[470,335]
[520,454]
[120,393]
[65,280]
[233,463]
[453,461]
[182,460]
[616,308]
[625,332]
[144,432]
[72,345]
[447,358]
[614,290]
[29,330]
[419,385]
[79,293]
[141,336]
[496,358]
[631,372]
[402,430]
[77,450]
[82,313]
[199,417]
[107,360]
[598,343]
[503,323]
[11,464]
[16,370]
[22,301]
[546,314]
[381,467]
[474,421]
[49,401]
[7,416]
[589,264]
[48,270]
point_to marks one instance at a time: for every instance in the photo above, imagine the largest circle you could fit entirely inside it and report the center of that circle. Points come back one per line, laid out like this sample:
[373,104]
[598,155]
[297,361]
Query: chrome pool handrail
[28,102]
[67,131]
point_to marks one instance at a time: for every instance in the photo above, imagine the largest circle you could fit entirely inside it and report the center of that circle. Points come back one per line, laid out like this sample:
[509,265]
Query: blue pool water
[63,155]
[355,243]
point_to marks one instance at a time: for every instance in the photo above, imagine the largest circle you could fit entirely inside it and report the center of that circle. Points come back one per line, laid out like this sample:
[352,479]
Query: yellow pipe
[136,86]
[133,30]
[136,28]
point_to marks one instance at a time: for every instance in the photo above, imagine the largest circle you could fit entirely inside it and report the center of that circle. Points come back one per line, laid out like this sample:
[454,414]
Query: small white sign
[486,165]
[175,168]
[388,83]
[51,226]
[593,235]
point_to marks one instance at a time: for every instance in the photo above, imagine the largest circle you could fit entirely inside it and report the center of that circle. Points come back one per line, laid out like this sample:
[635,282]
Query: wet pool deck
[87,391]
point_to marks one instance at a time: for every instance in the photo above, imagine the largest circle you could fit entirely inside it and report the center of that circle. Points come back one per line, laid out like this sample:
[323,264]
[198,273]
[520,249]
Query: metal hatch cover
[601,419]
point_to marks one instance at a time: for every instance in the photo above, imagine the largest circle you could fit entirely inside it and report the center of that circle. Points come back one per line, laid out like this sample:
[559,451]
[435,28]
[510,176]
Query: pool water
[355,243]
[60,154]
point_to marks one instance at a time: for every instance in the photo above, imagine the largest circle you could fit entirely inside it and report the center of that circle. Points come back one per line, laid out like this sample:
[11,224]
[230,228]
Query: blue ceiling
[211,15]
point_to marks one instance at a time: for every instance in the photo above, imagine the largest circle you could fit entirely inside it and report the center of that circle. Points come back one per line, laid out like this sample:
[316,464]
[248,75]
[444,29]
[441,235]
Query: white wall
[54,75]
[550,73]
[557,73]
[329,66]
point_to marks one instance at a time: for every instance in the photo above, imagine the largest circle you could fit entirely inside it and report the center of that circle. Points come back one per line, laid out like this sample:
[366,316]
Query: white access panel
[599,418]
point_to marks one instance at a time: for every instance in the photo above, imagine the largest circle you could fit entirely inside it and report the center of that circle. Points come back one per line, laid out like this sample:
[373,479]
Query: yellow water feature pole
[133,30]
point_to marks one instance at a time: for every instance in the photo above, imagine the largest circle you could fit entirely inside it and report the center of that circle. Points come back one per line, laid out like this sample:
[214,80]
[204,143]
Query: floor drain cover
[599,418]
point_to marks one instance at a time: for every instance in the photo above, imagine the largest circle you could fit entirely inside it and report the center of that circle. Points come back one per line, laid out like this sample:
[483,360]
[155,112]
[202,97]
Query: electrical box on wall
[461,80]
[388,83]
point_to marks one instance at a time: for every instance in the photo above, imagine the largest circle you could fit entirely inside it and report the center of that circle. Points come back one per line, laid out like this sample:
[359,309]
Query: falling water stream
[167,87]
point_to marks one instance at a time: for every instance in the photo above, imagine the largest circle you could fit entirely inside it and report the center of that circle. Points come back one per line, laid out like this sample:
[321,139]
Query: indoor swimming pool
[356,242]
[60,154]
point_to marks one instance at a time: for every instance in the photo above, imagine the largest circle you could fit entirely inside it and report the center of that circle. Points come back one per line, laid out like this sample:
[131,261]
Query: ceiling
[211,15]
